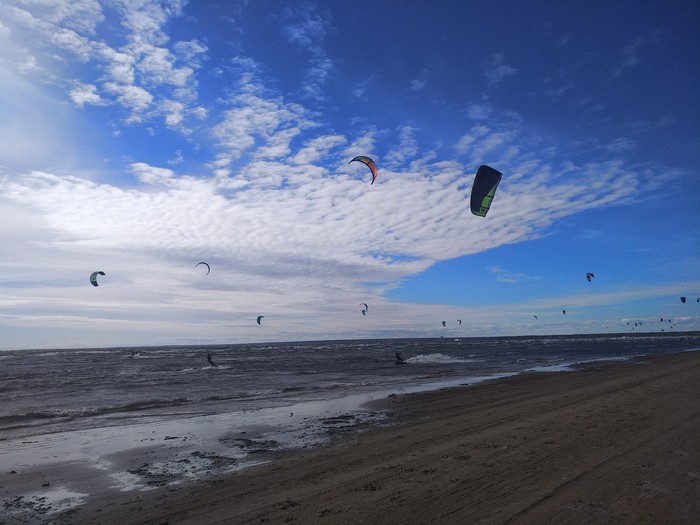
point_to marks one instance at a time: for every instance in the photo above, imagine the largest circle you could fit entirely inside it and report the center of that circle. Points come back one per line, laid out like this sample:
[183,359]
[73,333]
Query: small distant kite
[683,299]
[484,189]
[535,317]
[369,163]
[589,276]
[563,312]
[260,317]
[443,323]
[364,308]
[93,278]
[205,264]
[459,321]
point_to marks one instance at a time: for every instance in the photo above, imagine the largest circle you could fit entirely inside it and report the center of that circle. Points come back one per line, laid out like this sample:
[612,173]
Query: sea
[47,391]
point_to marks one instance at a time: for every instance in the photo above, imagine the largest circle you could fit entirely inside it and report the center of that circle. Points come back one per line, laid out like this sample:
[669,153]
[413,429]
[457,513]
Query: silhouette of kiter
[212,363]
[398,357]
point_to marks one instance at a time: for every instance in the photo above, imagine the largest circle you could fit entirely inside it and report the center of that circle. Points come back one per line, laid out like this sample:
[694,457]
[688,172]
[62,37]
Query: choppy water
[61,390]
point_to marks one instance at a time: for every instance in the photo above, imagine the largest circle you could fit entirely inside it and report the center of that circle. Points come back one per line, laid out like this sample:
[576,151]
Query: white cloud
[83,94]
[497,70]
[621,145]
[479,111]
[306,28]
[406,149]
[318,148]
[79,15]
[628,55]
[146,75]
[556,92]
[135,98]
[269,121]
[303,26]
[506,276]
[283,235]
[363,85]
[419,84]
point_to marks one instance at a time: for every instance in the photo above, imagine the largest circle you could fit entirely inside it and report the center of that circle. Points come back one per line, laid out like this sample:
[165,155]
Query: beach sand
[615,442]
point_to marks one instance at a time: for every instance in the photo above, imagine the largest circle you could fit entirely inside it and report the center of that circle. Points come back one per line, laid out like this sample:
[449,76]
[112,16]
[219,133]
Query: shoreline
[611,442]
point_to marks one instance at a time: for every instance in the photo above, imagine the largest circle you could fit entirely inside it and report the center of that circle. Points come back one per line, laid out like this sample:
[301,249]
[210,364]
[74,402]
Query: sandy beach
[610,443]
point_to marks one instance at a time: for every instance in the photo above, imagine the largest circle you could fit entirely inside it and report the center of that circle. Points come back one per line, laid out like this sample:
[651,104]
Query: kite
[443,323]
[589,276]
[205,264]
[535,316]
[370,164]
[364,310]
[483,189]
[93,278]
[260,317]
[459,321]
[683,299]
[563,312]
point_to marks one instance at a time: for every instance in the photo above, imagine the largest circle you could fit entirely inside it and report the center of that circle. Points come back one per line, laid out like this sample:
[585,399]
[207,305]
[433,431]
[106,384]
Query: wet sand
[610,443]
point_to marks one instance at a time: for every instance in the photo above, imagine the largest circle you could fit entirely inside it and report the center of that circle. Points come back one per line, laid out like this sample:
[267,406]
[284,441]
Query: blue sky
[141,137]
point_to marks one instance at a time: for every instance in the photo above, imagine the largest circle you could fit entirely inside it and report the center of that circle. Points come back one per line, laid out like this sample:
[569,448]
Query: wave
[242,395]
[439,359]
[54,416]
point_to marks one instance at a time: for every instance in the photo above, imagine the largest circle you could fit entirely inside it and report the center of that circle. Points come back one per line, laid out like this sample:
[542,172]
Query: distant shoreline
[130,347]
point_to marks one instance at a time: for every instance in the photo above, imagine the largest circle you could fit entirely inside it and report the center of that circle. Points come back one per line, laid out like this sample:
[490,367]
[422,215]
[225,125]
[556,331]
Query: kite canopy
[93,278]
[370,164]
[483,189]
[682,299]
[589,276]
[364,308]
[260,317]
[205,264]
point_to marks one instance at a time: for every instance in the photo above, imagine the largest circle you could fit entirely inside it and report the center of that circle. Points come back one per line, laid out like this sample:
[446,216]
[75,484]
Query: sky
[141,137]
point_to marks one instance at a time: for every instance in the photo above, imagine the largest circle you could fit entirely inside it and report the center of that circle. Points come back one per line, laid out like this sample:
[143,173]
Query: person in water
[398,357]
[212,363]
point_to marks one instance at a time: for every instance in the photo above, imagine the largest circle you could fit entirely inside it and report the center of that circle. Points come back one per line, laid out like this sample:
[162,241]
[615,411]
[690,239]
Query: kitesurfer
[398,357]
[212,363]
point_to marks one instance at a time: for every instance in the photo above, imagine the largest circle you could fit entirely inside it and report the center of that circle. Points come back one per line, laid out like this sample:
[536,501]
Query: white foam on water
[437,358]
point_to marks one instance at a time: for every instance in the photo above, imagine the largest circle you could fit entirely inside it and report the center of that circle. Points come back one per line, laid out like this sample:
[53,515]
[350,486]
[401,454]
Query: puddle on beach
[29,508]
[190,457]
